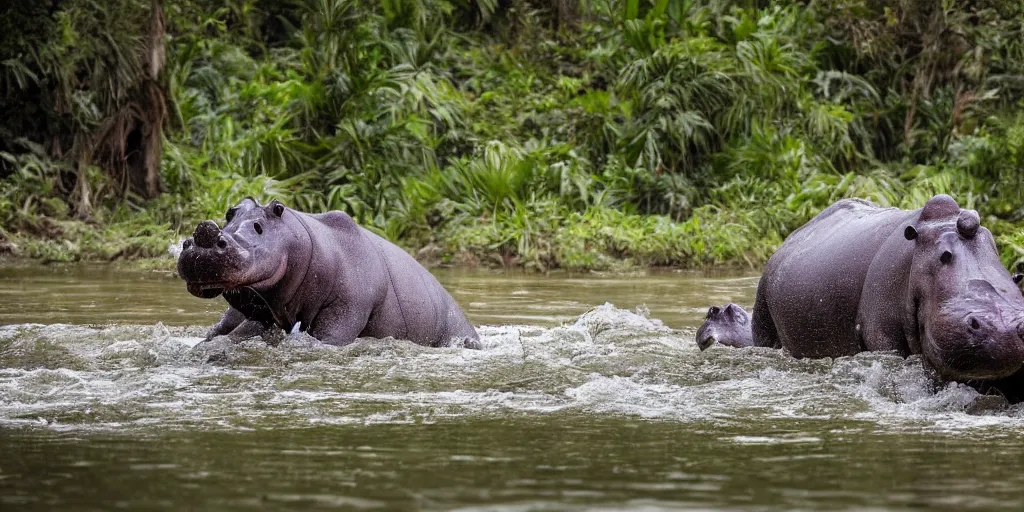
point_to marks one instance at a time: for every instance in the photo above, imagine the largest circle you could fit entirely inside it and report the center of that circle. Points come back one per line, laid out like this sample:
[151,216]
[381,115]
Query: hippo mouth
[966,365]
[206,290]
[978,360]
[211,289]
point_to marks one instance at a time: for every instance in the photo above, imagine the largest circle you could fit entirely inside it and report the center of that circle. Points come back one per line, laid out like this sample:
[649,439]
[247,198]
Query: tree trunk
[144,141]
[83,204]
[567,13]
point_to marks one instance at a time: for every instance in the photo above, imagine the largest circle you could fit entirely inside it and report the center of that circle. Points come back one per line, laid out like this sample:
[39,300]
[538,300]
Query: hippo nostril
[974,323]
[221,244]
[207,233]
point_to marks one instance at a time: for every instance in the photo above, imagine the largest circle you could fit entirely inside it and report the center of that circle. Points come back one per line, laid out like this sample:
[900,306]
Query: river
[589,394]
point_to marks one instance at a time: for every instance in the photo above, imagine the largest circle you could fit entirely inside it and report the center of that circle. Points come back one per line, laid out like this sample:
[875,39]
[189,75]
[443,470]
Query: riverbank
[596,240]
[600,239]
[626,135]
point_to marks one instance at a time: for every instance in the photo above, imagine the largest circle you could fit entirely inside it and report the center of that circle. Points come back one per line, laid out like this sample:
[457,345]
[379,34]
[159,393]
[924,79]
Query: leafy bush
[528,132]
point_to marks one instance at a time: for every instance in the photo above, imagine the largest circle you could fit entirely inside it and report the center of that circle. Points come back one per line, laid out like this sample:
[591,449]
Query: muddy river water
[589,394]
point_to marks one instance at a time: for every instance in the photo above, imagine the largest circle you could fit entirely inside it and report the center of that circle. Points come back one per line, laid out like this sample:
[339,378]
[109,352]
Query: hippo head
[969,312]
[729,325]
[247,253]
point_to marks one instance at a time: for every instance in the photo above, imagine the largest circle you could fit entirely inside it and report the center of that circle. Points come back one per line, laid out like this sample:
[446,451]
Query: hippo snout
[979,346]
[207,235]
[705,338]
[211,261]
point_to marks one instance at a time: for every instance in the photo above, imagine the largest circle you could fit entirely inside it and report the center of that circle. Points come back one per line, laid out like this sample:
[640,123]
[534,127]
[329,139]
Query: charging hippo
[859,277]
[321,273]
[728,325]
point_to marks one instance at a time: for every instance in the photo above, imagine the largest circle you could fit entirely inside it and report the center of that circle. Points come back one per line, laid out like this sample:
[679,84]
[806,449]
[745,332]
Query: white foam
[608,361]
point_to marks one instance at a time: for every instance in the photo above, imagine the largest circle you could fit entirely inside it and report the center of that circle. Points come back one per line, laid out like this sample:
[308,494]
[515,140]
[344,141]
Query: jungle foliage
[547,133]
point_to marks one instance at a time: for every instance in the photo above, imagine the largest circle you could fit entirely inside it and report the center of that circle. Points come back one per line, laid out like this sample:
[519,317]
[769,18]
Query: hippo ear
[278,209]
[967,224]
[941,206]
[729,311]
[910,233]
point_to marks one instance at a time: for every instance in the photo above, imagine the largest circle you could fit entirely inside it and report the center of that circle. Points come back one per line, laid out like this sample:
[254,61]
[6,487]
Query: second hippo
[858,277]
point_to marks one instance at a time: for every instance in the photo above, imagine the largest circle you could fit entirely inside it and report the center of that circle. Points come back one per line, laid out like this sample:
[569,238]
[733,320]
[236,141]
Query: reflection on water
[114,403]
[81,294]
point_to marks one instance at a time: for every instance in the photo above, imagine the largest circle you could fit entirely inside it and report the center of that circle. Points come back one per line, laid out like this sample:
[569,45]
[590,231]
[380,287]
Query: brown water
[107,402]
[91,294]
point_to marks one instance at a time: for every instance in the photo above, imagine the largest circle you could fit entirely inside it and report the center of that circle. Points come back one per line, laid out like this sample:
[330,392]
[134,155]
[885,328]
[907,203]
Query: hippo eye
[258,228]
[946,257]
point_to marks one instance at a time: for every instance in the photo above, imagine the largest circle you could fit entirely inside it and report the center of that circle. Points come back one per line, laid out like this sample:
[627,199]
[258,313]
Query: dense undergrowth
[551,134]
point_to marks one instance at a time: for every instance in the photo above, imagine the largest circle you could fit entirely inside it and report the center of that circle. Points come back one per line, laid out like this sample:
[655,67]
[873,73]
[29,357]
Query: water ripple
[607,361]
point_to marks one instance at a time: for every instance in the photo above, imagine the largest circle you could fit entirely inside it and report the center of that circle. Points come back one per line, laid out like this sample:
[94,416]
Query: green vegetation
[545,133]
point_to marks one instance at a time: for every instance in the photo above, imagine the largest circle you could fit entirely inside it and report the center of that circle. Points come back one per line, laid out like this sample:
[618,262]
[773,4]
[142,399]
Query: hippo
[318,273]
[859,277]
[728,325]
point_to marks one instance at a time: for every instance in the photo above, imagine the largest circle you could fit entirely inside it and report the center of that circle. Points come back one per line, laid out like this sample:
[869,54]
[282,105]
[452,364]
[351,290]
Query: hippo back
[808,297]
[429,312]
[405,300]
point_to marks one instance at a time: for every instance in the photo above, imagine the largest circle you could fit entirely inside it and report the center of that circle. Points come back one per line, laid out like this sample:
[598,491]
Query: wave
[608,361]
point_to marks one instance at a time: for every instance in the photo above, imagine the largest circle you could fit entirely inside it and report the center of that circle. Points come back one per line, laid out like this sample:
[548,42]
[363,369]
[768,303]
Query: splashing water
[609,361]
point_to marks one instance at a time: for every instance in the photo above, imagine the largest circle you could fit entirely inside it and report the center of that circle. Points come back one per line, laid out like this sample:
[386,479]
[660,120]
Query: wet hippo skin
[319,273]
[858,277]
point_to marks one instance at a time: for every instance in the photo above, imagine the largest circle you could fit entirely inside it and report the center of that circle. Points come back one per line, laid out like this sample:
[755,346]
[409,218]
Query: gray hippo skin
[859,277]
[279,267]
[728,325]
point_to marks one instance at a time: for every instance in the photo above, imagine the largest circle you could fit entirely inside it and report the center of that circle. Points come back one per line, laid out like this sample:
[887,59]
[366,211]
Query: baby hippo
[729,326]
